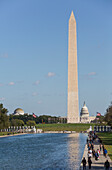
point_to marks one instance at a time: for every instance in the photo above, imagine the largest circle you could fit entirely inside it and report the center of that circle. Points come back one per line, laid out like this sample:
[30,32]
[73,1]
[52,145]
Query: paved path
[99,164]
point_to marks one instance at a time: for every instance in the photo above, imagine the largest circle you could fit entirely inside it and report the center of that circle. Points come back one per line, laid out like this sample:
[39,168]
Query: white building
[18,111]
[84,115]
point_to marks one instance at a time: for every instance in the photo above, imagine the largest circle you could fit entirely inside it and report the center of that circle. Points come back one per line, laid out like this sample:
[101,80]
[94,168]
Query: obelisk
[73,106]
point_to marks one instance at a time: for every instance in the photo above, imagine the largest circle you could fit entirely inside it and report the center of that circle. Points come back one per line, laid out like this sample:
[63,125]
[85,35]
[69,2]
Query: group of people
[84,163]
[94,153]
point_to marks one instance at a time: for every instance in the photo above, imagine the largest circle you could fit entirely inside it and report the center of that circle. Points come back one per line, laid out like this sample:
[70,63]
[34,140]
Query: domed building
[84,115]
[18,111]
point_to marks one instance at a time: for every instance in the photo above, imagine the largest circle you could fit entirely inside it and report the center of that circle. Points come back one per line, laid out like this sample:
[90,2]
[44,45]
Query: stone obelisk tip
[72,16]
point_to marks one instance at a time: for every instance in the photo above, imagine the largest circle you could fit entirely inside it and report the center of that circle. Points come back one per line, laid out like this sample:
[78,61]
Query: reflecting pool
[42,151]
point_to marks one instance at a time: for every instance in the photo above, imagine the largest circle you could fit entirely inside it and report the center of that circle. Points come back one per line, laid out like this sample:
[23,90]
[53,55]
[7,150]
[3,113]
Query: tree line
[107,118]
[21,120]
[29,120]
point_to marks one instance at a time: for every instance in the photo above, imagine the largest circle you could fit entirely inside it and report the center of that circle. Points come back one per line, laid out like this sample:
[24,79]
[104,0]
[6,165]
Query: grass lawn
[6,133]
[106,138]
[62,127]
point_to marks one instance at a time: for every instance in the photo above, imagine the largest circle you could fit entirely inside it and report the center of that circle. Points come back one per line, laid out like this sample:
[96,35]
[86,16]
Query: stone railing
[102,128]
[20,129]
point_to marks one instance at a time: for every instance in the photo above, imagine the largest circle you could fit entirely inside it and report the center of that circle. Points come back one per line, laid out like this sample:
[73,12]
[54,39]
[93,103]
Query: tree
[17,122]
[4,119]
[43,118]
[108,116]
[101,119]
[24,117]
[31,123]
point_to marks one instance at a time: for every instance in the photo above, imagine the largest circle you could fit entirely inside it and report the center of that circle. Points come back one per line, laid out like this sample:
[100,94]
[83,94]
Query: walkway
[99,164]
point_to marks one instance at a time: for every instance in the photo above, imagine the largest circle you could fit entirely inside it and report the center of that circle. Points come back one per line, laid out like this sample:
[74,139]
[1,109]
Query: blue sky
[34,54]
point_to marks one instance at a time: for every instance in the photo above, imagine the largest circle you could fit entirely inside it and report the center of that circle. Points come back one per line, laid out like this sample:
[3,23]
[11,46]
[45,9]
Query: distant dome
[18,111]
[84,111]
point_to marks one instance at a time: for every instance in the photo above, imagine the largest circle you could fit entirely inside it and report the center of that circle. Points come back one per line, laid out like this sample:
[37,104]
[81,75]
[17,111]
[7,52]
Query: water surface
[42,151]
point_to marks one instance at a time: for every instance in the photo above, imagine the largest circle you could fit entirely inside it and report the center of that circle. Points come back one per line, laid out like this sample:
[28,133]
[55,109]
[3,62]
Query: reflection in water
[73,150]
[42,151]
[76,144]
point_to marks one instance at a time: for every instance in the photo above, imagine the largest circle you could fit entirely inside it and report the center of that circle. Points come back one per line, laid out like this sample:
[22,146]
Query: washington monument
[73,106]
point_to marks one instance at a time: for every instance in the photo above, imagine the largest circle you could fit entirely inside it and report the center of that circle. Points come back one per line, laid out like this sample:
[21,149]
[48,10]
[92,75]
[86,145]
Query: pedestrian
[89,154]
[103,147]
[100,147]
[105,152]
[84,163]
[100,140]
[98,152]
[107,165]
[89,146]
[93,152]
[96,156]
[89,163]
[87,140]
[92,146]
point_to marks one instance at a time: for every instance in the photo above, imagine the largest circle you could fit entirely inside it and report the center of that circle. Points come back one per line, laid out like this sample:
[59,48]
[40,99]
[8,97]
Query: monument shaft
[73,106]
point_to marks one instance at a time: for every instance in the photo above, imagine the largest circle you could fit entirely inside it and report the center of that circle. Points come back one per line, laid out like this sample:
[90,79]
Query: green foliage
[101,119]
[7,133]
[106,138]
[108,116]
[43,118]
[24,118]
[4,120]
[17,122]
[31,123]
[40,119]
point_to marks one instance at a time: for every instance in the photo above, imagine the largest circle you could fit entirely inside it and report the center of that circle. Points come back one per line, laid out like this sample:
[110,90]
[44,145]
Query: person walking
[103,148]
[87,140]
[98,152]
[92,146]
[84,163]
[89,163]
[105,152]
[96,156]
[107,165]
[93,152]
[100,147]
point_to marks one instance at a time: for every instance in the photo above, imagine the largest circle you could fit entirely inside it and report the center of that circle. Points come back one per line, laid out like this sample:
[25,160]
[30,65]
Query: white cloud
[11,83]
[91,73]
[37,82]
[2,99]
[39,102]
[34,94]
[89,76]
[50,74]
